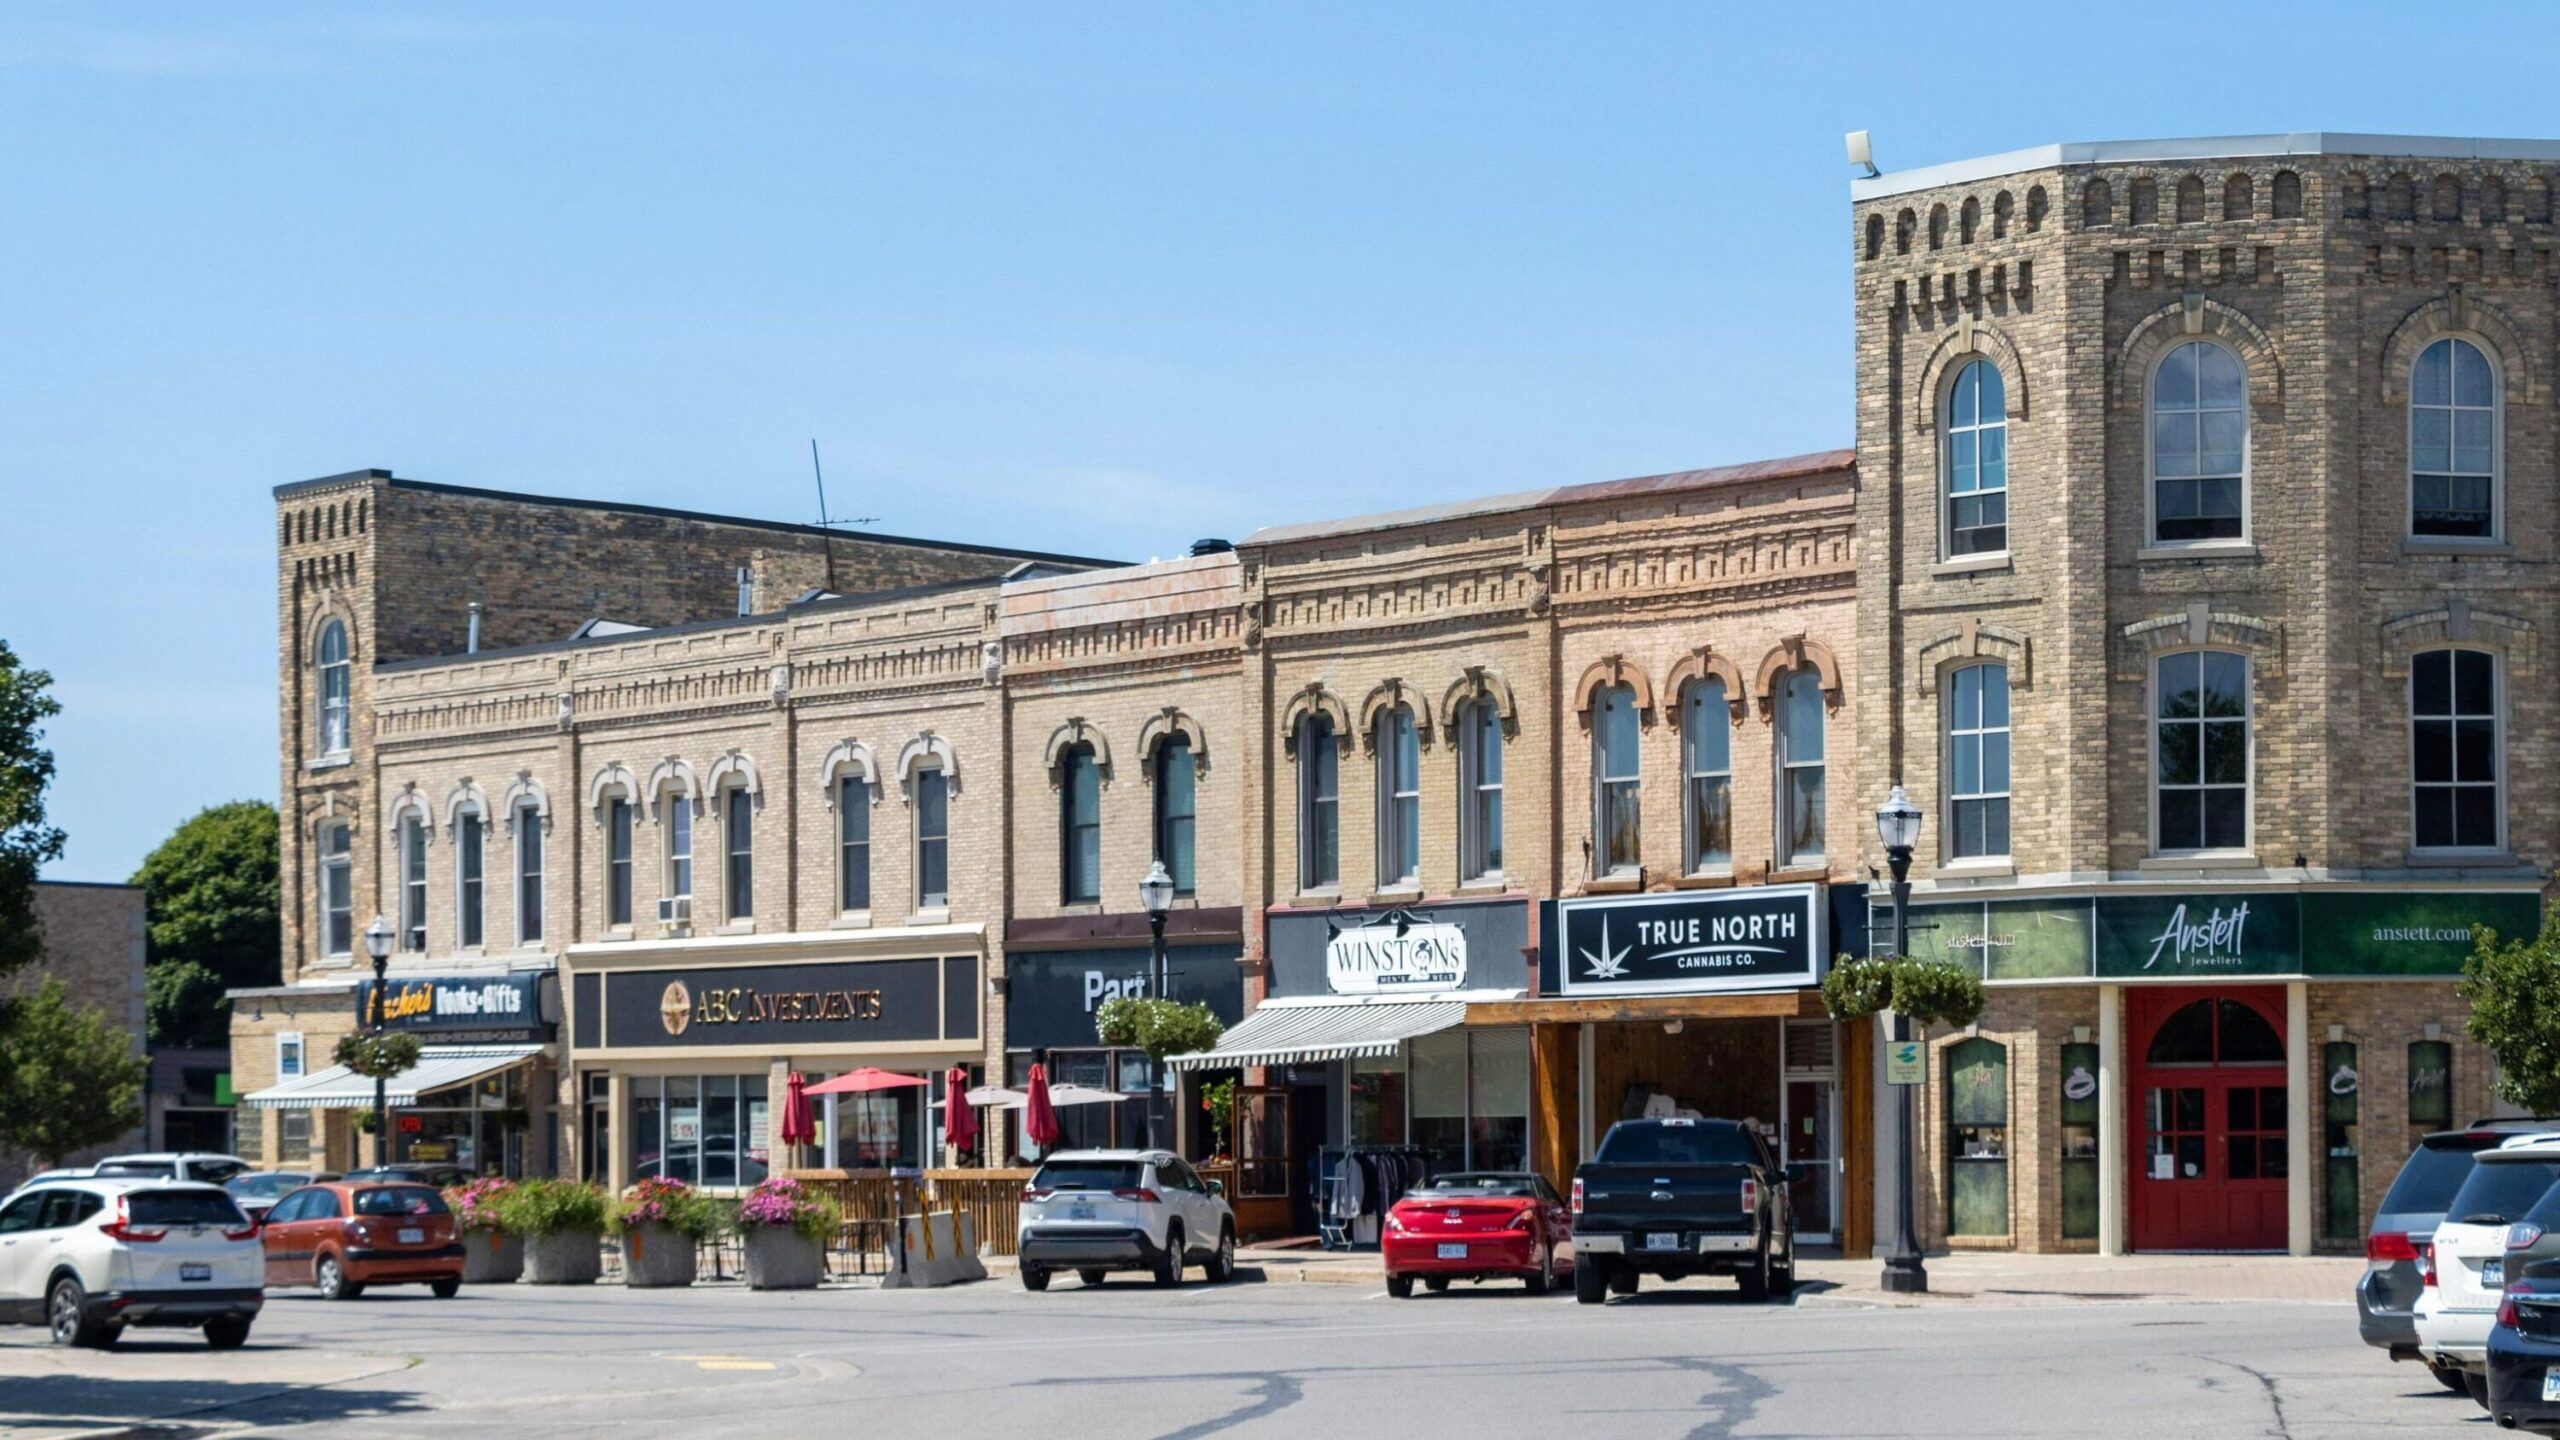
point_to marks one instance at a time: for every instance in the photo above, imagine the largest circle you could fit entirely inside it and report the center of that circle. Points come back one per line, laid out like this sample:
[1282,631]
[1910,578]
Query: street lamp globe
[1898,821]
[1155,892]
[377,939]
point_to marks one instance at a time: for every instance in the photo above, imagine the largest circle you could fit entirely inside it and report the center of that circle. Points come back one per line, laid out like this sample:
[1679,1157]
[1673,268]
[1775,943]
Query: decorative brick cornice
[2456,624]
[2457,312]
[2197,626]
[1972,641]
[2193,316]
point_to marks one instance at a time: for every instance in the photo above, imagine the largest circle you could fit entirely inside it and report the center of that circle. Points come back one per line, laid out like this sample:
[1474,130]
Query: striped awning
[439,1067]
[1283,1032]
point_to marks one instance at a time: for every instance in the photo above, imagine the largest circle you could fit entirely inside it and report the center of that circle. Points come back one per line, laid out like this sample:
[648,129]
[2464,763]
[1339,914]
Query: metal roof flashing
[2210,147]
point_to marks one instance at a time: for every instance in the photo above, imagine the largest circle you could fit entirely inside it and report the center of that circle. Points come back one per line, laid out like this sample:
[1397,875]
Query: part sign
[1764,937]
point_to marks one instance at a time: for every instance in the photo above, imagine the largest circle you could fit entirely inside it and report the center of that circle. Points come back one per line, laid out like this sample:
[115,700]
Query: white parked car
[89,1258]
[1095,1211]
[172,1165]
[2463,1269]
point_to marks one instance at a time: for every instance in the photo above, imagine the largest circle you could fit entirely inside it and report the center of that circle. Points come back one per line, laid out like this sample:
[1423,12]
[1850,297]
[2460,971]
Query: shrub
[1932,992]
[782,1201]
[672,1203]
[377,1056]
[481,1204]
[1159,1027]
[551,1207]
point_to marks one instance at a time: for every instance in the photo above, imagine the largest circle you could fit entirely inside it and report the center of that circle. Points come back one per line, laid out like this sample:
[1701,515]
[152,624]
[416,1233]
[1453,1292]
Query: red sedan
[1476,1225]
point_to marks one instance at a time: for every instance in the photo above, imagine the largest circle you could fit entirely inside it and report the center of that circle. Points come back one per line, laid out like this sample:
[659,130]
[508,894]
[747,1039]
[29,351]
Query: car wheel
[1169,1264]
[2450,1377]
[66,1320]
[2478,1385]
[445,1289]
[1221,1264]
[1783,1281]
[1623,1280]
[1400,1286]
[226,1334]
[1590,1282]
[1543,1279]
[330,1278]
[1755,1279]
[1034,1277]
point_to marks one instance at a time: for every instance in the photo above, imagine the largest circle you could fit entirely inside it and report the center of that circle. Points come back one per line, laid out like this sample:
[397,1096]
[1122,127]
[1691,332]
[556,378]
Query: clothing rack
[1340,1229]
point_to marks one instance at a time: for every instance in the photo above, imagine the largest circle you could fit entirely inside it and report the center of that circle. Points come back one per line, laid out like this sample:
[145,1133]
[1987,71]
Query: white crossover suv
[89,1258]
[1095,1211]
[2462,1271]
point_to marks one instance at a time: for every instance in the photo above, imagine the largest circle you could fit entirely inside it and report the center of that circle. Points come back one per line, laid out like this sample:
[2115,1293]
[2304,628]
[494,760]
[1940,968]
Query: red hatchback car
[1476,1225]
[343,1236]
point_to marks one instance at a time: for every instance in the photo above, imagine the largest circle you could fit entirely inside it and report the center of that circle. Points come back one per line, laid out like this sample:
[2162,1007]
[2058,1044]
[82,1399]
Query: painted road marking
[735,1364]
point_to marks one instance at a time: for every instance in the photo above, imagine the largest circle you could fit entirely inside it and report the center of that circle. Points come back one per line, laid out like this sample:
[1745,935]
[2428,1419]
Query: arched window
[1399,779]
[336,680]
[853,841]
[1706,794]
[1616,782]
[336,889]
[2455,760]
[413,882]
[1479,740]
[2215,1032]
[933,837]
[738,853]
[1319,807]
[528,828]
[617,860]
[1977,462]
[1177,786]
[679,816]
[2453,442]
[1978,762]
[1079,825]
[2200,791]
[1800,768]
[2199,445]
[470,856]
[1978,1137]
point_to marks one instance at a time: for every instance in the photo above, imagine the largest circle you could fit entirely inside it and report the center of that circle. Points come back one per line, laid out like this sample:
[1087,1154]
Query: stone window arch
[2194,316]
[1875,235]
[1968,340]
[2190,200]
[2239,196]
[848,759]
[465,797]
[1904,225]
[2002,206]
[2097,205]
[1390,696]
[2035,208]
[1796,652]
[1703,664]
[522,793]
[1608,671]
[1314,700]
[612,781]
[1065,738]
[1968,220]
[1481,682]
[672,778]
[734,771]
[1171,723]
[928,750]
[2288,195]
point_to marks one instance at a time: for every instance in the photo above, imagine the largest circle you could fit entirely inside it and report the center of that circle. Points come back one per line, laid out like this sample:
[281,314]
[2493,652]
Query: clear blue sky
[1092,278]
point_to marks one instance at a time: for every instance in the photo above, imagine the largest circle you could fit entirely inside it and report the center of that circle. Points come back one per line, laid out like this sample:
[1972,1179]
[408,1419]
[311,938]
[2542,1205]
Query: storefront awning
[439,1067]
[1283,1033]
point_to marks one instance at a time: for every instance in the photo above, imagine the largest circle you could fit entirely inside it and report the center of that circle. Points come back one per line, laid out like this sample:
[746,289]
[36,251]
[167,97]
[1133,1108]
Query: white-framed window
[679,812]
[1800,751]
[738,851]
[336,889]
[413,882]
[2458,802]
[933,839]
[528,827]
[2453,443]
[1977,460]
[289,1055]
[853,843]
[1479,741]
[1399,777]
[470,859]
[1079,825]
[1178,812]
[1617,782]
[1706,790]
[2199,444]
[2200,752]
[335,672]
[1319,807]
[1978,761]
[617,860]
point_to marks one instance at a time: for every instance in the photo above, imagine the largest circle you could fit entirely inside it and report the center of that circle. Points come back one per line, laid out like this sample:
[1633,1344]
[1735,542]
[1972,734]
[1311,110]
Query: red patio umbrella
[798,1126]
[1039,1117]
[959,1117]
[865,1080]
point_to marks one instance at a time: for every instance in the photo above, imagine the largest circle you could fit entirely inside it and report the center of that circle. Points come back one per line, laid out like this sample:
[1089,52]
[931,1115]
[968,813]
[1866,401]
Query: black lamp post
[1155,892]
[1898,826]
[377,943]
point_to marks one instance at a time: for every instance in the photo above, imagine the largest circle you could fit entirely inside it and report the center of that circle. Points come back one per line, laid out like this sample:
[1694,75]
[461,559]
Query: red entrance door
[2209,1158]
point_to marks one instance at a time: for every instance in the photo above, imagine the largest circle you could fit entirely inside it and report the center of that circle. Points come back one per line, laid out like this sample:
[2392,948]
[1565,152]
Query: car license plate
[1079,1212]
[2493,1274]
[195,1272]
[413,1237]
[1662,1242]
[2550,1386]
[1453,1252]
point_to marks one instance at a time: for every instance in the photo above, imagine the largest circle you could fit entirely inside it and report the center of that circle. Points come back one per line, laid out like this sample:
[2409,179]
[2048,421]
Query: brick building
[93,943]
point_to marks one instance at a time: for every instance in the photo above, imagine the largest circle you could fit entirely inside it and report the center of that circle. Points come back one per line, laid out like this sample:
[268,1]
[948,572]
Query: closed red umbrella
[1039,1117]
[959,1117]
[799,1127]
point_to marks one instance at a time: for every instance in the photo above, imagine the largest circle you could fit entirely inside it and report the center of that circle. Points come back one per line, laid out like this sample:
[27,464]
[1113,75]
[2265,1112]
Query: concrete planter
[781,1258]
[655,1256]
[572,1257]
[491,1257]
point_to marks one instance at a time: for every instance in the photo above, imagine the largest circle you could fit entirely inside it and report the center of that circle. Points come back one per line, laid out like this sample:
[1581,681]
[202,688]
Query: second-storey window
[2453,443]
[470,846]
[336,676]
[1479,739]
[337,890]
[679,843]
[1399,798]
[413,882]
[1978,762]
[1177,811]
[2201,750]
[738,875]
[853,843]
[617,861]
[1977,462]
[1319,833]
[2453,709]
[1706,792]
[2199,444]
[933,839]
[1079,825]
[1801,750]
[528,875]
[1616,782]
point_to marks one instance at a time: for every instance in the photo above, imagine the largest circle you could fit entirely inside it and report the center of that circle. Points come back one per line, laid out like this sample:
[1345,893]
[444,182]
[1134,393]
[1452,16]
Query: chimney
[471,643]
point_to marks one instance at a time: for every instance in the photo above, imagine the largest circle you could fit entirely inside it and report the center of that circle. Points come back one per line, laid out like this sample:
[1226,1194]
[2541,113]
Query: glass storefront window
[1377,1100]
[1462,1097]
[1440,1098]
[1498,1100]
[708,1130]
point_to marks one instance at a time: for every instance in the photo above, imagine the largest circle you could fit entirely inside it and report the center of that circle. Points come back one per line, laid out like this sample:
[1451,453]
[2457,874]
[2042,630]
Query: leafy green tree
[212,893]
[26,841]
[68,1076]
[2513,989]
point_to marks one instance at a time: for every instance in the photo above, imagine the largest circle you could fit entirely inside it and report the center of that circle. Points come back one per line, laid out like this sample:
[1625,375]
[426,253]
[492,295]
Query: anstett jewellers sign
[1761,937]
[1396,956]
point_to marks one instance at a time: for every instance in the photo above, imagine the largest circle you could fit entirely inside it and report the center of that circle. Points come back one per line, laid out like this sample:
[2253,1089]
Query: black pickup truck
[1681,1197]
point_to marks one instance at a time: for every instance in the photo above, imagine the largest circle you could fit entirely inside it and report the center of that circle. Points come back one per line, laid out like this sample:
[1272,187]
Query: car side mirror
[1218,1188]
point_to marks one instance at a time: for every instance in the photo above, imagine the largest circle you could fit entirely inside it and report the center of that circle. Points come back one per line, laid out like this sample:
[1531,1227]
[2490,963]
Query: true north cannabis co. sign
[1759,937]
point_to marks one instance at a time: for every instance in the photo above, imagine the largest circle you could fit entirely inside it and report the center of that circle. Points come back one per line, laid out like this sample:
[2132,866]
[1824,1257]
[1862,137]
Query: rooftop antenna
[826,523]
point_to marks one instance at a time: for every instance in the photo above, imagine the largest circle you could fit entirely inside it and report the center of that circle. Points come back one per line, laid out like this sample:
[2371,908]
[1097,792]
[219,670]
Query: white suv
[1094,1211]
[2463,1268]
[171,1165]
[88,1258]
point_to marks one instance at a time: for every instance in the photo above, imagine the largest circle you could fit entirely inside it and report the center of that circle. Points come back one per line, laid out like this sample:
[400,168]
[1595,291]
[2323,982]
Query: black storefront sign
[509,1006]
[1761,937]
[817,1003]
[1476,945]
[1050,996]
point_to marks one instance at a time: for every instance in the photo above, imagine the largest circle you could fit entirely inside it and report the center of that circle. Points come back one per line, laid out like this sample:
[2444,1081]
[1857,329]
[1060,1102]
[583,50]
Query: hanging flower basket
[377,1057]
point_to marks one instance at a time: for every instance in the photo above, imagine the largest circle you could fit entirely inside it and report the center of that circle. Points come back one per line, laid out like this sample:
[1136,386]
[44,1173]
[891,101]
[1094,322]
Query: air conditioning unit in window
[676,910]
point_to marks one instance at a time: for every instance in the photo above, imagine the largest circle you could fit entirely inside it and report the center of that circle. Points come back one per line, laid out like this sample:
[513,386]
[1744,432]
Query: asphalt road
[1327,1360]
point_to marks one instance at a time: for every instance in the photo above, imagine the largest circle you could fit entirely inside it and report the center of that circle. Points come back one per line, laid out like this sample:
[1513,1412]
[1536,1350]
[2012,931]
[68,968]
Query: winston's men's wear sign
[2208,935]
[1756,938]
[1394,955]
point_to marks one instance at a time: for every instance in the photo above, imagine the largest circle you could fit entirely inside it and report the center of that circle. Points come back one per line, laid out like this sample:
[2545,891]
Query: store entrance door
[2209,1161]
[1809,1129]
